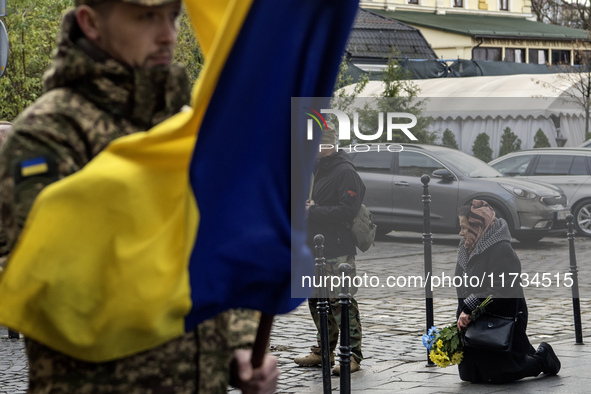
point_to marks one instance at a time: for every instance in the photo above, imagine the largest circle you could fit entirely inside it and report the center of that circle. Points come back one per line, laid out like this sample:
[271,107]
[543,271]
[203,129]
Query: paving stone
[394,321]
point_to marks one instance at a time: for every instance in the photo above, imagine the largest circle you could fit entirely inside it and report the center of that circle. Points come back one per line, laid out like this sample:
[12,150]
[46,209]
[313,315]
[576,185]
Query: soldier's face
[140,36]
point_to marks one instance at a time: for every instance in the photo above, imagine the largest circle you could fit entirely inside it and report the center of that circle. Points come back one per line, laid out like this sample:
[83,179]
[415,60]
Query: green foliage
[449,139]
[400,95]
[509,142]
[340,99]
[481,147]
[187,50]
[540,140]
[399,87]
[32,27]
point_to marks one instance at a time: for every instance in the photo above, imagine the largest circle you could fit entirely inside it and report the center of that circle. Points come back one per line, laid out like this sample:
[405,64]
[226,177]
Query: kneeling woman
[484,250]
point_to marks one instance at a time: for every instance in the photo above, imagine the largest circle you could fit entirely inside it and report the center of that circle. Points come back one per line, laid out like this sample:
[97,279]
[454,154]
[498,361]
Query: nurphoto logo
[344,128]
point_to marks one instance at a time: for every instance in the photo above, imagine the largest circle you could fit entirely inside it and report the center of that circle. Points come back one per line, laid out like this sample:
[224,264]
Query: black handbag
[491,332]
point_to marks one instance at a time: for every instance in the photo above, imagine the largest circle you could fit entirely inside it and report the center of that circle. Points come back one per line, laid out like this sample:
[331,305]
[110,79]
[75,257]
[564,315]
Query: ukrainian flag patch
[34,166]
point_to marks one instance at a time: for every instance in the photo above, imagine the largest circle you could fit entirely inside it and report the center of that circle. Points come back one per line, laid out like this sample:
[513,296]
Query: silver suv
[394,192]
[567,168]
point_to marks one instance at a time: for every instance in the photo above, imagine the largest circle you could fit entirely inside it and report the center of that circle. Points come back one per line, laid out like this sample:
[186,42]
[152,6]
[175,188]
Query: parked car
[394,192]
[567,168]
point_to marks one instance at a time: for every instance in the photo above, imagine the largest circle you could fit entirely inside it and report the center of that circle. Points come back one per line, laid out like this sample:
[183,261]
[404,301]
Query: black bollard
[427,241]
[345,347]
[322,307]
[575,278]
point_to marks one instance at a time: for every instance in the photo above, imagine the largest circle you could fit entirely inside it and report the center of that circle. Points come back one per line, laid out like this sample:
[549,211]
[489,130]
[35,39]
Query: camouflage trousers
[196,362]
[334,312]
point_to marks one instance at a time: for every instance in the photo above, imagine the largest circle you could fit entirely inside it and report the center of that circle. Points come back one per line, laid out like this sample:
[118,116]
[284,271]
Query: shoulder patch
[35,166]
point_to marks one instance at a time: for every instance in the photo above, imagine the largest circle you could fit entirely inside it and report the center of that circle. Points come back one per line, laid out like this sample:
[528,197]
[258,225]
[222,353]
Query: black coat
[497,259]
[337,193]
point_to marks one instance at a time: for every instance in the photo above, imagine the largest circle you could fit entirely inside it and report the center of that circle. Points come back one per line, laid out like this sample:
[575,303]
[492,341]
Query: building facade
[494,30]
[474,7]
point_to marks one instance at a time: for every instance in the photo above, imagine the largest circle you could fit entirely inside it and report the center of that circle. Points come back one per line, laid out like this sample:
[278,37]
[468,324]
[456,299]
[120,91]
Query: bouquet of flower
[445,347]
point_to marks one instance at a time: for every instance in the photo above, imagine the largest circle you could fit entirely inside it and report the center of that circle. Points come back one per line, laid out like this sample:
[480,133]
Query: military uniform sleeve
[41,150]
[350,191]
[243,327]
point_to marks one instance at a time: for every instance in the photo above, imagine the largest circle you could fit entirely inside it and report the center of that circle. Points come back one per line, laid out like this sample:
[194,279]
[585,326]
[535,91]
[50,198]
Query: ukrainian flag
[163,229]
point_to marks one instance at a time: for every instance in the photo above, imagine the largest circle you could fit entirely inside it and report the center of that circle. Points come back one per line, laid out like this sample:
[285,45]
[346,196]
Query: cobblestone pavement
[394,319]
[13,365]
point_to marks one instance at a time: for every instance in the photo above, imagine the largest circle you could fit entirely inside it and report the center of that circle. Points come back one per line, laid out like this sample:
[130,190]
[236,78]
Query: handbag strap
[507,317]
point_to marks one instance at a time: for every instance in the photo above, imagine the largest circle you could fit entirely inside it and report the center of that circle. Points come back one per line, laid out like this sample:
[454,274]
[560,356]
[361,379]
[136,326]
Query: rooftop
[487,26]
[377,37]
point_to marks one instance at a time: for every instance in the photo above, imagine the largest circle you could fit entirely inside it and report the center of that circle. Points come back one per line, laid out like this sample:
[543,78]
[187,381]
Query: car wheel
[529,239]
[499,213]
[582,214]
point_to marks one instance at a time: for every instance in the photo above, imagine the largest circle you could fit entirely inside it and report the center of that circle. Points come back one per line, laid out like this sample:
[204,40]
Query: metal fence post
[427,241]
[345,347]
[575,278]
[322,306]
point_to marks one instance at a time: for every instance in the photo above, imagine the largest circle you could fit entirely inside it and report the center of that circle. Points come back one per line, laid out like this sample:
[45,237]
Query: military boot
[313,359]
[354,367]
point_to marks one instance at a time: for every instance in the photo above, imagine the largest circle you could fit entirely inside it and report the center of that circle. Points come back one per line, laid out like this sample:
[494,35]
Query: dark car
[394,191]
[567,168]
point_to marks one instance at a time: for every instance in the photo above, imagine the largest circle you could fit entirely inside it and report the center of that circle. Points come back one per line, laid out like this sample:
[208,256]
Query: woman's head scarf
[480,217]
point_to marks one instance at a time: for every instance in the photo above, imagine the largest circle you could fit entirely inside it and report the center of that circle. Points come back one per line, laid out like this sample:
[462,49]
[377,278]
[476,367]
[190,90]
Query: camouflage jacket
[89,99]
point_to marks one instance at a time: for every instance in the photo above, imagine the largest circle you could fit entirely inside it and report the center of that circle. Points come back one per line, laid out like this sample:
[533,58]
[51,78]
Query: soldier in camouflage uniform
[112,76]
[337,194]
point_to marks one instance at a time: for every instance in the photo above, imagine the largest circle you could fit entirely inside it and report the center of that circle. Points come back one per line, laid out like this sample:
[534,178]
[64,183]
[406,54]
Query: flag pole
[262,340]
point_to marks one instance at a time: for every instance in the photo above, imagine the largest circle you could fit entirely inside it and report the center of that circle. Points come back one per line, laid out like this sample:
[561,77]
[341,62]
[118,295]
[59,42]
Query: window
[490,54]
[459,3]
[579,166]
[376,162]
[513,166]
[515,55]
[417,164]
[553,165]
[582,58]
[560,56]
[503,5]
[413,1]
[538,56]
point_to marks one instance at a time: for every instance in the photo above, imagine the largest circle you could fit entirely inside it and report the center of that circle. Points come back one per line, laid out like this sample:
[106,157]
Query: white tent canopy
[525,103]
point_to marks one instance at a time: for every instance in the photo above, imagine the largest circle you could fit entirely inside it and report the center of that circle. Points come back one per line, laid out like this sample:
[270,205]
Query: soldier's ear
[89,22]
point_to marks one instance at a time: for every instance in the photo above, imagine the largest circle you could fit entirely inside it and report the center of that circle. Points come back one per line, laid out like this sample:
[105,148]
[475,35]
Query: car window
[378,162]
[467,165]
[553,165]
[513,166]
[579,166]
[417,164]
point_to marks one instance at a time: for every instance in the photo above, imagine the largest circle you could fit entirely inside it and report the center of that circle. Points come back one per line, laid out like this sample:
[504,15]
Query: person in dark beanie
[337,194]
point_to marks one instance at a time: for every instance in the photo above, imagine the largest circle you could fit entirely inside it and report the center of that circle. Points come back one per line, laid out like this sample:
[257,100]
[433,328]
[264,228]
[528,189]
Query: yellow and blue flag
[203,213]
